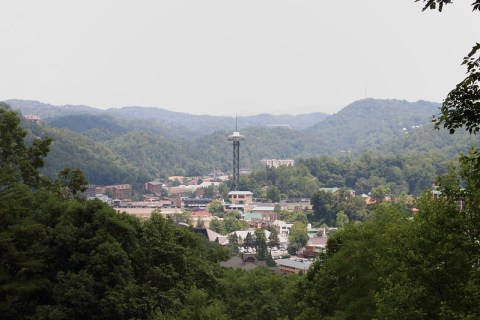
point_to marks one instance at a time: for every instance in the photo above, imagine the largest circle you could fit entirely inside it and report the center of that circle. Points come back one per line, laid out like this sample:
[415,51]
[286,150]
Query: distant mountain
[216,123]
[368,123]
[82,123]
[296,122]
[104,127]
[49,111]
[132,144]
[187,126]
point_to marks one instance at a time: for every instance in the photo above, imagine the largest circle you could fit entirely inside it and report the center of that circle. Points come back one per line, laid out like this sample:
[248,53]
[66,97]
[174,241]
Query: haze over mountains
[134,144]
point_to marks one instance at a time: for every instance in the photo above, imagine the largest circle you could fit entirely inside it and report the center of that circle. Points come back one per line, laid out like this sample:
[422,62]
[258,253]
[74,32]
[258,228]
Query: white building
[275,163]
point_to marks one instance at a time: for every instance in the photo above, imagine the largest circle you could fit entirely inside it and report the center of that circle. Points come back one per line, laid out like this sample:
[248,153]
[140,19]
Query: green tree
[273,240]
[341,283]
[258,294]
[298,216]
[342,219]
[273,194]
[22,238]
[209,192]
[19,162]
[232,224]
[198,306]
[217,226]
[460,108]
[233,243]
[379,193]
[277,208]
[261,244]
[439,271]
[298,237]
[215,207]
[249,241]
[72,181]
[233,214]
[323,207]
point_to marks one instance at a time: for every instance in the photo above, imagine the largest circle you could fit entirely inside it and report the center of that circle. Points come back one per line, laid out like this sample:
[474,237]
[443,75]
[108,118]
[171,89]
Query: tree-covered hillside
[368,123]
[49,111]
[83,123]
[181,124]
[113,148]
[101,165]
[425,139]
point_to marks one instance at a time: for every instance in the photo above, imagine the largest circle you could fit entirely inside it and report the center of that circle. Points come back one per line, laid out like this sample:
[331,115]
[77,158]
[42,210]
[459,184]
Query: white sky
[231,57]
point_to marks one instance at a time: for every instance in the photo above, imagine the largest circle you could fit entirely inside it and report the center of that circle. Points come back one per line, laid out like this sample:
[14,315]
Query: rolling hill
[133,144]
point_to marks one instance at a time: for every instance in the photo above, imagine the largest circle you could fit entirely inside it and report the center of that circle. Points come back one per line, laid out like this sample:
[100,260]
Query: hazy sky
[226,57]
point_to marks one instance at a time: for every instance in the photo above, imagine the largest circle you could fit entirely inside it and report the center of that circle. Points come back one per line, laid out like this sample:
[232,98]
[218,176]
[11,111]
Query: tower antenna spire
[236,137]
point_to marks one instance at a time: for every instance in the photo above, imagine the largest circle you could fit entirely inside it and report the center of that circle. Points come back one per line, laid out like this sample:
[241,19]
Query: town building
[268,212]
[35,118]
[237,200]
[283,227]
[275,163]
[314,246]
[155,187]
[91,191]
[196,204]
[212,235]
[289,266]
[120,191]
[254,220]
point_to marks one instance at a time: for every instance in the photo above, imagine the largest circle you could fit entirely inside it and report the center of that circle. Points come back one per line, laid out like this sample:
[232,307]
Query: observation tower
[236,137]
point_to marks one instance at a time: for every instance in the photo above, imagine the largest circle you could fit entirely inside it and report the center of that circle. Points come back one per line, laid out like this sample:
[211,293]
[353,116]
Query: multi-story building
[275,163]
[155,187]
[120,191]
[237,200]
[91,191]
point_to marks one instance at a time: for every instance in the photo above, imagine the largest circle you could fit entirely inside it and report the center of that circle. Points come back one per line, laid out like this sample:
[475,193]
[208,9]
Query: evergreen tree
[273,240]
[261,244]
[248,242]
[234,245]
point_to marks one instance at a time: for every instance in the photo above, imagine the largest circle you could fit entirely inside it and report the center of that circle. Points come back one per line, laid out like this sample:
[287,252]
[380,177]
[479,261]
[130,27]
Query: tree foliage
[462,105]
[397,265]
[18,161]
[438,4]
[298,237]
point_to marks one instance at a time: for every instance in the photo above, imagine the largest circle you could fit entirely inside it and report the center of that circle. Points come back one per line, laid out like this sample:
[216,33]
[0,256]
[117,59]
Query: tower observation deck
[236,137]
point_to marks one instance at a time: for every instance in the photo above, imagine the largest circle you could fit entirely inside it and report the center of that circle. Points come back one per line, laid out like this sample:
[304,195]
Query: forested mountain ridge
[425,139]
[196,124]
[48,111]
[100,164]
[368,123]
[133,149]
